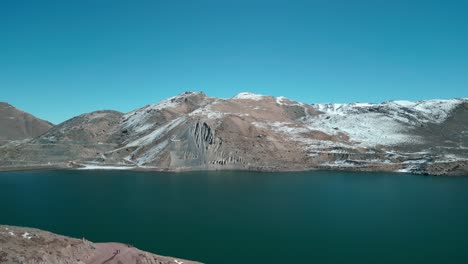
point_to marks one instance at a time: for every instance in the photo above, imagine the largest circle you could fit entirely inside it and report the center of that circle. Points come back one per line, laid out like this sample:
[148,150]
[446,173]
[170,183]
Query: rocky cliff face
[192,131]
[34,246]
[18,125]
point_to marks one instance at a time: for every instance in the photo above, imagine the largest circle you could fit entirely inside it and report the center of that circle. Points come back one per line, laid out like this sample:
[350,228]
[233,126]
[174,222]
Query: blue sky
[61,58]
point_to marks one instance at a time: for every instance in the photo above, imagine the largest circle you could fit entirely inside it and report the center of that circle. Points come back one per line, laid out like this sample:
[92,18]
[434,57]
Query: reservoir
[237,217]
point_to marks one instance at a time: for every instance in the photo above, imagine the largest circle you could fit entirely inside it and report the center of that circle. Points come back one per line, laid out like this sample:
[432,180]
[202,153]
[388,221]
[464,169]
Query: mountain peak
[16,124]
[4,104]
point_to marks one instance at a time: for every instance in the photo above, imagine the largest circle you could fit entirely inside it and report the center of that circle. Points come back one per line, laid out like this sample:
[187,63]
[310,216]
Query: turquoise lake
[250,217]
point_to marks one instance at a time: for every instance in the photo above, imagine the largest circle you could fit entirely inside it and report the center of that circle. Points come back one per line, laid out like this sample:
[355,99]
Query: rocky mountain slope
[18,125]
[34,246]
[193,131]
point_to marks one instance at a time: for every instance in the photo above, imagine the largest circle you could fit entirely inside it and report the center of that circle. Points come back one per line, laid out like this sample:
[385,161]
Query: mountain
[18,125]
[192,131]
[34,246]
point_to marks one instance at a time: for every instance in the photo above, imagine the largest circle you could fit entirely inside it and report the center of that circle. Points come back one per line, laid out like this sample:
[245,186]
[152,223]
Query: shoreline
[391,167]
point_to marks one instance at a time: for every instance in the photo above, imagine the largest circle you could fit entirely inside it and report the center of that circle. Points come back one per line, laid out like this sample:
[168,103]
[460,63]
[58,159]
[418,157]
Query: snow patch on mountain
[298,133]
[341,109]
[435,111]
[104,167]
[249,96]
[430,111]
[137,119]
[365,129]
[380,124]
[208,112]
[281,100]
[411,165]
[283,127]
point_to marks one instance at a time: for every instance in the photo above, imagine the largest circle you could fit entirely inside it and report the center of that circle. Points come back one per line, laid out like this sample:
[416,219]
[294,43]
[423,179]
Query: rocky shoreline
[454,168]
[34,246]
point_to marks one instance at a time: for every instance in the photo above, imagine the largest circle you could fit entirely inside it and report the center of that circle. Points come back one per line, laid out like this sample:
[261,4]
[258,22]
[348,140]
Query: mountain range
[193,131]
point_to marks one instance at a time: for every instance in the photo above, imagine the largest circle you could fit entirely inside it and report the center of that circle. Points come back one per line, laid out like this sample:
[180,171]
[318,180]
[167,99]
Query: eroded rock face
[18,125]
[193,131]
[34,246]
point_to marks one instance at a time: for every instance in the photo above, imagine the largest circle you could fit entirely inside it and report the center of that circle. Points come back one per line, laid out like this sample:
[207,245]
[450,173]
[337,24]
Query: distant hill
[16,124]
[193,131]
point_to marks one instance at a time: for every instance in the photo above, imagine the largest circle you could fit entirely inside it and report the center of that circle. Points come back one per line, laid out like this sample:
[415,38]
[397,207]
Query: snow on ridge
[137,119]
[404,103]
[280,99]
[340,108]
[297,133]
[249,96]
[208,112]
[284,127]
[165,103]
[365,129]
[329,107]
[434,111]
[368,124]
[168,102]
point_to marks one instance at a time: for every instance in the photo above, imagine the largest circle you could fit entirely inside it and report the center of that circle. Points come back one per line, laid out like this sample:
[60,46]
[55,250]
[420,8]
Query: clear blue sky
[62,58]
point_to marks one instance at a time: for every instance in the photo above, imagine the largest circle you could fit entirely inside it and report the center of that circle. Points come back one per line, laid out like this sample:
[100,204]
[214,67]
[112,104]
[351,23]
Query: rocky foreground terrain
[34,246]
[192,131]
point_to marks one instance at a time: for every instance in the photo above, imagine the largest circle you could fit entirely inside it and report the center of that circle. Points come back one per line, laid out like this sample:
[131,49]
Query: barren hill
[17,125]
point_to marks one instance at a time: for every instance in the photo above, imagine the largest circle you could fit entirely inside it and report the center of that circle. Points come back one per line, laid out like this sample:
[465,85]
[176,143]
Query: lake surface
[247,217]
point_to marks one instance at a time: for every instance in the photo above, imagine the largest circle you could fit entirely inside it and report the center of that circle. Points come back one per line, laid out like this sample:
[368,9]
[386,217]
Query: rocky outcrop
[18,125]
[193,131]
[34,246]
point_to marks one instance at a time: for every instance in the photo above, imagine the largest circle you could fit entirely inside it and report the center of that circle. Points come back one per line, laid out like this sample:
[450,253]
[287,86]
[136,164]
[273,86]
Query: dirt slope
[34,246]
[17,125]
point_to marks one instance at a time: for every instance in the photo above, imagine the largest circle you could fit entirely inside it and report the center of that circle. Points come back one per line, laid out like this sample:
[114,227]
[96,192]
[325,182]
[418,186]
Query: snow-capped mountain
[258,132]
